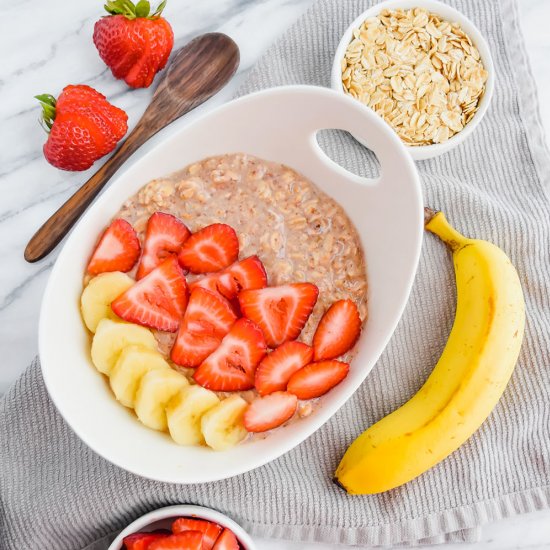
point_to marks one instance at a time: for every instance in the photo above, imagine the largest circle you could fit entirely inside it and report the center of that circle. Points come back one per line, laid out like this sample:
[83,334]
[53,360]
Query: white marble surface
[43,51]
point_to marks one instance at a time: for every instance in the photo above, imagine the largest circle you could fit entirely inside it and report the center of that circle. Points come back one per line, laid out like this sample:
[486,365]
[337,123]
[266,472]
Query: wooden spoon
[196,72]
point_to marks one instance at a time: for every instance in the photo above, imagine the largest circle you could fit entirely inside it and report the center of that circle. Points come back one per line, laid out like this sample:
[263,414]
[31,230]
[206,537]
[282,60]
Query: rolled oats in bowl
[420,72]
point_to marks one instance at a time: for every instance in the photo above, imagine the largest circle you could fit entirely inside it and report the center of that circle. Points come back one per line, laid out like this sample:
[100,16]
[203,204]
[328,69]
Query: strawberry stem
[48,103]
[132,11]
[143,8]
[158,11]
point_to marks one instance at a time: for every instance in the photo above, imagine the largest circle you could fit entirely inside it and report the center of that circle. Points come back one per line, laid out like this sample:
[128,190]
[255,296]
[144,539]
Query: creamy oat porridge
[299,234]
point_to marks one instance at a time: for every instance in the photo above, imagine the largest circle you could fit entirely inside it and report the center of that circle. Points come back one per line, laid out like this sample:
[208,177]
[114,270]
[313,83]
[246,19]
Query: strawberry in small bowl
[183,527]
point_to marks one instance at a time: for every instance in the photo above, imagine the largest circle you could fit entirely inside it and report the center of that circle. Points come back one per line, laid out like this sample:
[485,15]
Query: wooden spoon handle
[58,225]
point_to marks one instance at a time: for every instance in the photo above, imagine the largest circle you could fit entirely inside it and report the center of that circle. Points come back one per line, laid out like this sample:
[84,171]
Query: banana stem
[429,213]
[437,223]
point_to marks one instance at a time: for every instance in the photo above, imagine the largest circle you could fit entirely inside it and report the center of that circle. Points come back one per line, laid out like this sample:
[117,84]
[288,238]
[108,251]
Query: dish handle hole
[342,149]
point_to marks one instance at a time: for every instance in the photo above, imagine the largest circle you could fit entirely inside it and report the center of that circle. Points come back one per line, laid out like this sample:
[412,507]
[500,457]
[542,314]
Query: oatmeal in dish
[244,290]
[299,233]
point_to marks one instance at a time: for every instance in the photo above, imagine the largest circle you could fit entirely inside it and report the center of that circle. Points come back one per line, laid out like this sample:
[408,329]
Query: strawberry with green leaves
[82,126]
[134,42]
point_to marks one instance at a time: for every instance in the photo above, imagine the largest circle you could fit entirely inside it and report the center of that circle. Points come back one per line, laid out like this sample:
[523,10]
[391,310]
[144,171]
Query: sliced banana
[156,389]
[95,302]
[112,337]
[133,362]
[222,426]
[184,414]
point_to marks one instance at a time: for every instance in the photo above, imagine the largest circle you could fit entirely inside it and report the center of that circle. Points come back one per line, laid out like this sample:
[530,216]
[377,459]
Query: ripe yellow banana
[465,385]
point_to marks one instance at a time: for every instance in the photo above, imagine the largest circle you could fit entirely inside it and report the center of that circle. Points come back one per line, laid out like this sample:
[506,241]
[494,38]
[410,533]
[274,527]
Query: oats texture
[421,73]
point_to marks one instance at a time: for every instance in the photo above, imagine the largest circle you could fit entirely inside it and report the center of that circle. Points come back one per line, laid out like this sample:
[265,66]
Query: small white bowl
[163,518]
[422,152]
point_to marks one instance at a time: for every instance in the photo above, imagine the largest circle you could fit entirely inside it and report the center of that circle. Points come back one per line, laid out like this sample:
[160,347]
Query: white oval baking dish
[279,124]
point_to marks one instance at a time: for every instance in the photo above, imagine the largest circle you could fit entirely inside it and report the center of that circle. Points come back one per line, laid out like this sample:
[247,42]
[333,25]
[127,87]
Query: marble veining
[46,45]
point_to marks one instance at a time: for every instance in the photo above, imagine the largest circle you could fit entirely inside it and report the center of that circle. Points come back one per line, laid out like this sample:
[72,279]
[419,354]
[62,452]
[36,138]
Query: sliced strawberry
[141,541]
[227,541]
[210,249]
[221,283]
[158,300]
[208,318]
[266,413]
[316,379]
[210,531]
[189,540]
[276,368]
[280,311]
[231,367]
[165,236]
[338,330]
[117,250]
[248,274]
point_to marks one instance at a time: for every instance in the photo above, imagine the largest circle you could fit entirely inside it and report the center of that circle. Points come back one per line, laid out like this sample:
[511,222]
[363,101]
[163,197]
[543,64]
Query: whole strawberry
[82,125]
[133,42]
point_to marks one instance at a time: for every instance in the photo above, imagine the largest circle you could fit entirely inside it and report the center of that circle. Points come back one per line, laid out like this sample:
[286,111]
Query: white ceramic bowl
[163,518]
[423,152]
[280,125]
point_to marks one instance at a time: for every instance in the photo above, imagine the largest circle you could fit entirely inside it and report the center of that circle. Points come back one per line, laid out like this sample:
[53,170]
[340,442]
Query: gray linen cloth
[57,494]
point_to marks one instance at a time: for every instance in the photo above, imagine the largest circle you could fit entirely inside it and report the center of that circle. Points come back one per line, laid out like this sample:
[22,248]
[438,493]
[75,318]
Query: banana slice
[156,389]
[222,426]
[132,364]
[184,414]
[95,302]
[112,337]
